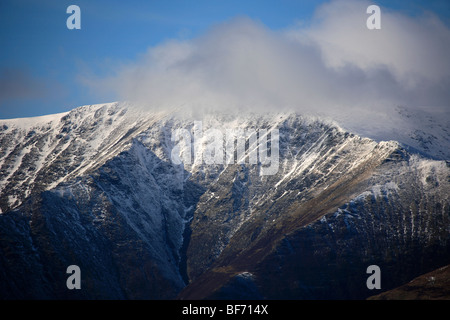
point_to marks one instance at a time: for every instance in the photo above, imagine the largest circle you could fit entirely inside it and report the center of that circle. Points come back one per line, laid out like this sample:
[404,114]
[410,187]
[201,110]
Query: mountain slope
[38,153]
[97,187]
[394,224]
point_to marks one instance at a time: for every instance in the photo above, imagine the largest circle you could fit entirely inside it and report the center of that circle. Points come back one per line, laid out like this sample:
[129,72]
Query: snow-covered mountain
[424,131]
[97,187]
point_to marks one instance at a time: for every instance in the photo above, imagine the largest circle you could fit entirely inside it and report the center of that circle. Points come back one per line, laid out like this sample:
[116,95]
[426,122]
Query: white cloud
[334,66]
[409,47]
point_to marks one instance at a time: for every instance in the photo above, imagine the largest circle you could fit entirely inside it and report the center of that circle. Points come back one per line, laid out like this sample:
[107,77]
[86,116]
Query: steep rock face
[121,221]
[38,153]
[322,159]
[102,191]
[400,223]
[395,226]
[123,231]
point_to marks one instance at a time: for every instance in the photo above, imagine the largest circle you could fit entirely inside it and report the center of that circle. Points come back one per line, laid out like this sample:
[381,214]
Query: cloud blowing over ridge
[333,66]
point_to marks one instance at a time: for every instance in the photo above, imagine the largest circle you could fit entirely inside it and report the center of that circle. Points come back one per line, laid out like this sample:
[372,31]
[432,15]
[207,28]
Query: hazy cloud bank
[333,66]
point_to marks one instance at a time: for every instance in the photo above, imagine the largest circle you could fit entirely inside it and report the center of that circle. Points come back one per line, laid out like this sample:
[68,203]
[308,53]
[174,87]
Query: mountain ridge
[144,227]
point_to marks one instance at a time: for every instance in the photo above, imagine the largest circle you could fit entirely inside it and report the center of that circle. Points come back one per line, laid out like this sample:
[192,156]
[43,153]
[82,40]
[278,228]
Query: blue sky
[41,61]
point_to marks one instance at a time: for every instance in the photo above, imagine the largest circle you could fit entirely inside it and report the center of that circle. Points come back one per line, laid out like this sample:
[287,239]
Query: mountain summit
[98,187]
